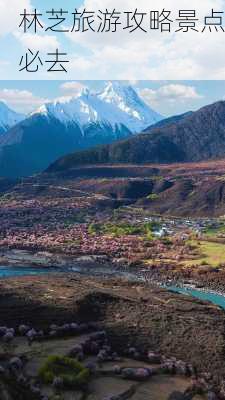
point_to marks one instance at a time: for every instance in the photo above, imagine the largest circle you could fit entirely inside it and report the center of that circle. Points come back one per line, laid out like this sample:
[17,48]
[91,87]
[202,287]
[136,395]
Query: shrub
[93,229]
[153,196]
[149,236]
[72,373]
[167,242]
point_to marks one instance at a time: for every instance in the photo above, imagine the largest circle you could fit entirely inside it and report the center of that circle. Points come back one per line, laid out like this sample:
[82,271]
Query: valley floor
[137,226]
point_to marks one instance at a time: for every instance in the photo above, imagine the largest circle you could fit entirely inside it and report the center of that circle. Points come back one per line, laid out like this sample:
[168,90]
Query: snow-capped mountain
[85,109]
[8,117]
[116,106]
[138,114]
[72,124]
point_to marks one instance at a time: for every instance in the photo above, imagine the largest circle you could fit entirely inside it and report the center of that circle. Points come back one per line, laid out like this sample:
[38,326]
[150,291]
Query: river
[213,297]
[15,271]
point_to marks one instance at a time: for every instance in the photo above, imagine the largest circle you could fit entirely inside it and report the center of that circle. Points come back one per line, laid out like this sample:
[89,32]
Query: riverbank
[203,279]
[46,258]
[27,263]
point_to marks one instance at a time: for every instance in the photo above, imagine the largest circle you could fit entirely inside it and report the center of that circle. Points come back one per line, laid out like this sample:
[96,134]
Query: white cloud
[133,82]
[125,56]
[153,55]
[10,14]
[21,100]
[10,20]
[171,92]
[72,88]
[37,42]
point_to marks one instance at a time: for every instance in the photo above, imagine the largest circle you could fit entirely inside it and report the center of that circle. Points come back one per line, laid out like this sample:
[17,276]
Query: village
[78,255]
[60,230]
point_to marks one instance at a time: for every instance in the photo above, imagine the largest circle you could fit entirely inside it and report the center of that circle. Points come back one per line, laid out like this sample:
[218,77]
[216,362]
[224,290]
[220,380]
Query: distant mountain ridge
[195,136]
[72,124]
[8,117]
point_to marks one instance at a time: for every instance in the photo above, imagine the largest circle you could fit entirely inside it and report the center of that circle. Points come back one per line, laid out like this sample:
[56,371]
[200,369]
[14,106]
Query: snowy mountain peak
[116,105]
[119,95]
[115,90]
[127,100]
[8,117]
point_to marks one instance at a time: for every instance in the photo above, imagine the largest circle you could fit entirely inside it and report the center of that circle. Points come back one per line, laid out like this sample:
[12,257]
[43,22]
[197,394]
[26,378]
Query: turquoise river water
[213,297]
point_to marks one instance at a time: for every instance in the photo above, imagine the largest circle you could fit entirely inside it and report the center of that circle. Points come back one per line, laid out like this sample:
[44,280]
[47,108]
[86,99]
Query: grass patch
[73,374]
[153,196]
[213,231]
[123,229]
[210,253]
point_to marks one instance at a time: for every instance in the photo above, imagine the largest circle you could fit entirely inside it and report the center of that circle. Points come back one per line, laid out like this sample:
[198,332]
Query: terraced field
[109,377]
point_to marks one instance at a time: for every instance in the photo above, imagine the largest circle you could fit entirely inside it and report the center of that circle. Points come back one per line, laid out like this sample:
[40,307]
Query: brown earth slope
[194,189]
[133,314]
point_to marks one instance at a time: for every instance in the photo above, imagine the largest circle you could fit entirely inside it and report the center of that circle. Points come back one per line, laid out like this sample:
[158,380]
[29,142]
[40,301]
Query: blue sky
[167,71]
[58,3]
[167,97]
[120,55]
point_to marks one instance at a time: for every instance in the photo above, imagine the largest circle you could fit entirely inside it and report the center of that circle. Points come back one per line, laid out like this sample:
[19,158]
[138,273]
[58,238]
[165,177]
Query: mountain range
[194,136]
[109,127]
[70,124]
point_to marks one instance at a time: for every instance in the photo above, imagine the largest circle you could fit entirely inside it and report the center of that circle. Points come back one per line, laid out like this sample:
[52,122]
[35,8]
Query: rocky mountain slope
[197,136]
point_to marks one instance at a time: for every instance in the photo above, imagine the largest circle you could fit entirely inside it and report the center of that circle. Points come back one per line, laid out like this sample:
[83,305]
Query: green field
[210,253]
